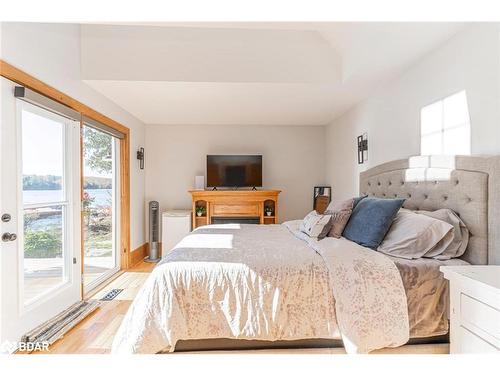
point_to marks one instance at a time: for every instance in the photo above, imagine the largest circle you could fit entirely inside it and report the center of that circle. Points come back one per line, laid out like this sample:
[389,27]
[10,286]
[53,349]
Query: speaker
[199,182]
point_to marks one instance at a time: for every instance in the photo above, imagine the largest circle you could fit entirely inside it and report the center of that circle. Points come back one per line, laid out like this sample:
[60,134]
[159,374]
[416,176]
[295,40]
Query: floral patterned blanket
[371,304]
[268,282]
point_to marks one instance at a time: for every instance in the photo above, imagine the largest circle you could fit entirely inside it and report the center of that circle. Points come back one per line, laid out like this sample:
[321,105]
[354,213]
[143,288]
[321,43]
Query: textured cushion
[469,188]
[460,235]
[370,220]
[412,236]
[316,225]
[357,200]
[340,212]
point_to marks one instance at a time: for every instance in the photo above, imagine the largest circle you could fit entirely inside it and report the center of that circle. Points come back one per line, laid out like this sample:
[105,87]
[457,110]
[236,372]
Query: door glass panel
[43,250]
[42,155]
[43,201]
[99,202]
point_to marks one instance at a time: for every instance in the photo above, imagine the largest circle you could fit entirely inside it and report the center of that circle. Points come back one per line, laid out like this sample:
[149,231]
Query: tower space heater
[154,232]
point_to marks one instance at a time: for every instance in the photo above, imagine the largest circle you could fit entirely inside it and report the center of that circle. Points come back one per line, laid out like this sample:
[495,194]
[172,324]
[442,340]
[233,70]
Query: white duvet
[267,283]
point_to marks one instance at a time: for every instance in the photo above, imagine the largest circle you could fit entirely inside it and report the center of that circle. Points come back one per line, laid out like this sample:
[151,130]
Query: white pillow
[316,225]
[460,236]
[412,236]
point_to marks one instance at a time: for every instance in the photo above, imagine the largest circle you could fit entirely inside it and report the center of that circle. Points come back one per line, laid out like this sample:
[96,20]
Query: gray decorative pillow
[413,236]
[316,225]
[460,235]
[341,212]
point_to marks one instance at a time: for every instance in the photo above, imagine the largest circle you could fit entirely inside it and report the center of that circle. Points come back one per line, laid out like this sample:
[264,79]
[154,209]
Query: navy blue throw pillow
[370,220]
[357,200]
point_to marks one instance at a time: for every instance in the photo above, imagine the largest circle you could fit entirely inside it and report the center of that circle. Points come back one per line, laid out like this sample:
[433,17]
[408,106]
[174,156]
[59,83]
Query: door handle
[6,237]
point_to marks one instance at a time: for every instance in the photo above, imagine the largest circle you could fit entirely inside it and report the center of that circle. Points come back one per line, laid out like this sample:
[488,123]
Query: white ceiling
[249,73]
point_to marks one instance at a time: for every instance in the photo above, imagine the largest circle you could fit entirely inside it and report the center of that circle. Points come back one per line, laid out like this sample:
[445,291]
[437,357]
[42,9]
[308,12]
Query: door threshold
[108,280]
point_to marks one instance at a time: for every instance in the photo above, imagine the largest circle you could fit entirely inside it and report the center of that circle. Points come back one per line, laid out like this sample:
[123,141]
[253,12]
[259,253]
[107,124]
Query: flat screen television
[234,171]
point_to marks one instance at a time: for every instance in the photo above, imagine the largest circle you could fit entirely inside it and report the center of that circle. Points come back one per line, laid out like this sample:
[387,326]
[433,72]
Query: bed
[252,286]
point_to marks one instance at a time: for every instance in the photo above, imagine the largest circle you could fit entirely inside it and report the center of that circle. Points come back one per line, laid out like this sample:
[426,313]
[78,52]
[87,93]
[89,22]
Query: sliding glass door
[60,200]
[40,273]
[100,214]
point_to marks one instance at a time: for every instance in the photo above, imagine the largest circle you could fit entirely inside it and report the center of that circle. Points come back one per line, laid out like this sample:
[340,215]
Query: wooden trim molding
[139,254]
[18,76]
[125,201]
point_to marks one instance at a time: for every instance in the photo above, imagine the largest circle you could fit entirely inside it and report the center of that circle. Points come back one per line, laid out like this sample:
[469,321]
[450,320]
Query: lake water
[102,197]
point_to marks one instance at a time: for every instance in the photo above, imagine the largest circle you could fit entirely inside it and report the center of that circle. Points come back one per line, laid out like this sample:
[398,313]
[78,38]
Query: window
[100,214]
[45,201]
[445,127]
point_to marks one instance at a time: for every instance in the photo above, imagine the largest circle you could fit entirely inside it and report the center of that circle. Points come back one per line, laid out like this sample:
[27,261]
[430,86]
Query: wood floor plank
[105,338]
[95,333]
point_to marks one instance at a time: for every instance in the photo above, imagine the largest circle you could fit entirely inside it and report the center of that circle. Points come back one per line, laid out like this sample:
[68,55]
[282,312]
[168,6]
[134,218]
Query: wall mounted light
[140,157]
[362,148]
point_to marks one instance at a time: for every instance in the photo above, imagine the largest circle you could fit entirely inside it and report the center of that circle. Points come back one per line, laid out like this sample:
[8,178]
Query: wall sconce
[140,157]
[362,148]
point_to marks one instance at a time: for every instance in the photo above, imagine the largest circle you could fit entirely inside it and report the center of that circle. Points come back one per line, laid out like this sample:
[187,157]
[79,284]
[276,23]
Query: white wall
[51,53]
[293,160]
[391,116]
[294,157]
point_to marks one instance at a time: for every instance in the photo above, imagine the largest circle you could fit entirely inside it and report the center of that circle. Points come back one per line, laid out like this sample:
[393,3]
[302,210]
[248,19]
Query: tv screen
[234,170]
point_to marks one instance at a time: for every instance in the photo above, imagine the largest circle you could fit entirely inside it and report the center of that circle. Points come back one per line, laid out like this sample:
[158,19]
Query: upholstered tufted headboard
[469,185]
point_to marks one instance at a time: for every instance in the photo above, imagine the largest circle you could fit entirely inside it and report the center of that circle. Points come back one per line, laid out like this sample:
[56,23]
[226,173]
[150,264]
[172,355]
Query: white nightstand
[474,308]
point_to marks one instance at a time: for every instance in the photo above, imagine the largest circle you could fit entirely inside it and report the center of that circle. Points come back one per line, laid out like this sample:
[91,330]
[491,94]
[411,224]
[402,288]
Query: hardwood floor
[94,335]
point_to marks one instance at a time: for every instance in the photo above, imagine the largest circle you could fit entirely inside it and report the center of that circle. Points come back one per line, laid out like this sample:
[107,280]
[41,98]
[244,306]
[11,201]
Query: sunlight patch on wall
[430,168]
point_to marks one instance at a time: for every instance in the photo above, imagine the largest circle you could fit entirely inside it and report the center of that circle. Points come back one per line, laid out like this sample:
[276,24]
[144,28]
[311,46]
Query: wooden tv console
[235,204]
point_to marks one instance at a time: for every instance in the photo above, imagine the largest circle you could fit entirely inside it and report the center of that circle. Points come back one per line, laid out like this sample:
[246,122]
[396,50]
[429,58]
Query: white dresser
[474,308]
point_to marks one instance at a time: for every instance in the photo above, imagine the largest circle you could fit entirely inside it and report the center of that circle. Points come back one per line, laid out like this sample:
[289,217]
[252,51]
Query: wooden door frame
[18,76]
